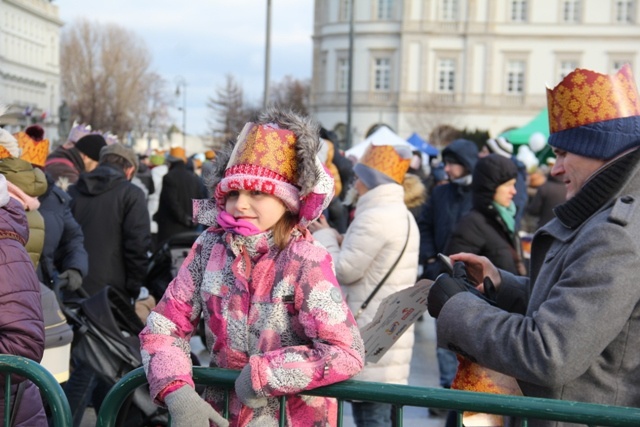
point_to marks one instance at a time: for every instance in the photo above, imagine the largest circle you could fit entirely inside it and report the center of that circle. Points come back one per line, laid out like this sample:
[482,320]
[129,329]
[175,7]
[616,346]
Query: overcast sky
[203,41]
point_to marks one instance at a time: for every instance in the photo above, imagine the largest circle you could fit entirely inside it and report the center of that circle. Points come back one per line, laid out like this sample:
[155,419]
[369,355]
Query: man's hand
[442,289]
[477,268]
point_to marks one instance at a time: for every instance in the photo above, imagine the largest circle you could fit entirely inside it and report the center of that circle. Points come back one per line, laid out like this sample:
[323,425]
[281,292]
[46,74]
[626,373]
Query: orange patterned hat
[383,164]
[34,152]
[595,115]
[264,159]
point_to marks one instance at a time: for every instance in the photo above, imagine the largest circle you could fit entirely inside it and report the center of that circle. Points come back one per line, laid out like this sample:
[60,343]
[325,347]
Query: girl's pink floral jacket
[281,311]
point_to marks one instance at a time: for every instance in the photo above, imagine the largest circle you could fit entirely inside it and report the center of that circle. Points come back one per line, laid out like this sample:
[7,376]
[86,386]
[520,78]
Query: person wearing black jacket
[113,215]
[180,186]
[489,228]
[63,250]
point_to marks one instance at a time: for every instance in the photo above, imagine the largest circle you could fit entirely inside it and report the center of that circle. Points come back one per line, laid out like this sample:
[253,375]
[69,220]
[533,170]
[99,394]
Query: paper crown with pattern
[264,159]
[8,145]
[392,162]
[34,152]
[595,115]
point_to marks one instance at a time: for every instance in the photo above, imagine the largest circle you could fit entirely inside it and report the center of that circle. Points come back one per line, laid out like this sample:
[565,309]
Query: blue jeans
[371,414]
[447,365]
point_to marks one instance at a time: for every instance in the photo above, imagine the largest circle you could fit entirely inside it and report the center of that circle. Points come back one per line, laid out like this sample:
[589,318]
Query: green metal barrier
[404,395]
[43,379]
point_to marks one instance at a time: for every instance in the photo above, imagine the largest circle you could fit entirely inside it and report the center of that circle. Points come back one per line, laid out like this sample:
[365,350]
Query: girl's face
[260,209]
[505,192]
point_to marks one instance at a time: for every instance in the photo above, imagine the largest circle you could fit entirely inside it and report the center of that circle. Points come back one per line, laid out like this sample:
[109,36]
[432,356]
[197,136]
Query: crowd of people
[296,245]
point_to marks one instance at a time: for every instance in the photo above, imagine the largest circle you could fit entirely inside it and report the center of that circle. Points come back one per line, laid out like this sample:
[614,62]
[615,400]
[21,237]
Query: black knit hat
[90,145]
[491,172]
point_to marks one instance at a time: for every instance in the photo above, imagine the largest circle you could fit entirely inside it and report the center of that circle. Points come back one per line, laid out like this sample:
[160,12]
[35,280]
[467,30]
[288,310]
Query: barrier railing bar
[405,395]
[44,380]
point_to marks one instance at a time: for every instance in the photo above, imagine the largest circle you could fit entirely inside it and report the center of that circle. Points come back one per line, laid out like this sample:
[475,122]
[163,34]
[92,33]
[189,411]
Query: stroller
[106,330]
[166,262]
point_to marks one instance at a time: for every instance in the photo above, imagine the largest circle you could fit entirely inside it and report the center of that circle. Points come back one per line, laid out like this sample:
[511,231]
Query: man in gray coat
[571,330]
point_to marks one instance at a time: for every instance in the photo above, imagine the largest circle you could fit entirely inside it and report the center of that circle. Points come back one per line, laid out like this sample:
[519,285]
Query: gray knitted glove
[73,277]
[188,409]
[245,392]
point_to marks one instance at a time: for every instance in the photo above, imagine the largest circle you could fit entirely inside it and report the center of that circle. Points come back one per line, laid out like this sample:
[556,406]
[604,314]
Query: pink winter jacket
[281,311]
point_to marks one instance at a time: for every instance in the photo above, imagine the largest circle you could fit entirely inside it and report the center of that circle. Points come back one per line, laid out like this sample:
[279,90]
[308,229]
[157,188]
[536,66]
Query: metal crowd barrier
[49,387]
[401,396]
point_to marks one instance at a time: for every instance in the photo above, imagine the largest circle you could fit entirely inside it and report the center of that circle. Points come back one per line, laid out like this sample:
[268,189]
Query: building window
[385,10]
[616,64]
[518,10]
[567,67]
[515,77]
[343,74]
[345,8]
[382,74]
[571,11]
[625,11]
[449,10]
[446,75]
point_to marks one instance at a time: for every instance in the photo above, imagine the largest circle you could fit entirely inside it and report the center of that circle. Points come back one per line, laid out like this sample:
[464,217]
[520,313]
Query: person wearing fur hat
[382,232]
[489,229]
[271,302]
[21,318]
[66,164]
[570,330]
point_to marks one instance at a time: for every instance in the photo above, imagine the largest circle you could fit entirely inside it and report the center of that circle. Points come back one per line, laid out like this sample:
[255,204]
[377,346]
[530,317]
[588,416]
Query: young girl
[271,302]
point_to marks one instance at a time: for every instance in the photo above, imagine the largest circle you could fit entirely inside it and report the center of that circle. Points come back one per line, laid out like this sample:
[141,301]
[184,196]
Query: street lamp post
[181,82]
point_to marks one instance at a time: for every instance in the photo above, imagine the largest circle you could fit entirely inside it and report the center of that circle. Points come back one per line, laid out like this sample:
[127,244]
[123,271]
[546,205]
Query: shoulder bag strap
[386,276]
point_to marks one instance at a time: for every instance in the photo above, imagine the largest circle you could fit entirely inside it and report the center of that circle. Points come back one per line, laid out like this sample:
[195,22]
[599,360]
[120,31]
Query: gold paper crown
[34,152]
[584,97]
[267,147]
[385,159]
[4,153]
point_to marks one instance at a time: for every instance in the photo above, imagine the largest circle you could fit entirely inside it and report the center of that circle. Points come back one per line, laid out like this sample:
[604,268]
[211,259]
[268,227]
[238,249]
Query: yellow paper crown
[385,159]
[34,152]
[178,152]
[4,153]
[267,147]
[584,97]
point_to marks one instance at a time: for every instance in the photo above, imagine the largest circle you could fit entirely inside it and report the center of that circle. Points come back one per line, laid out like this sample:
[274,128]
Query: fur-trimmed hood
[308,180]
[415,193]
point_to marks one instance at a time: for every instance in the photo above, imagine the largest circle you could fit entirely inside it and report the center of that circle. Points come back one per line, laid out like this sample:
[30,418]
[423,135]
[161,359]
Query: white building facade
[30,64]
[474,64]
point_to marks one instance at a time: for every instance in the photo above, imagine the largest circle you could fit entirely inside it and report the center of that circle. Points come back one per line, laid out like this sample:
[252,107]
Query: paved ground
[424,373]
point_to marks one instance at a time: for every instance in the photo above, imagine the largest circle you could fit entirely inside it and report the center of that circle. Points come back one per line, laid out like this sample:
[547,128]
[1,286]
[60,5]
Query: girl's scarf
[508,215]
[237,226]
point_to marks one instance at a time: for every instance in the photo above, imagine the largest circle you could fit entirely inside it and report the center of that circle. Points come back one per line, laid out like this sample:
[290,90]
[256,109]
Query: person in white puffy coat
[381,226]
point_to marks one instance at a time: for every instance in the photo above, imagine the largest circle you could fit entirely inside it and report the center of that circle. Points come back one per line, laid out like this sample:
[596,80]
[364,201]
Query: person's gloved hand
[245,391]
[188,409]
[442,289]
[73,278]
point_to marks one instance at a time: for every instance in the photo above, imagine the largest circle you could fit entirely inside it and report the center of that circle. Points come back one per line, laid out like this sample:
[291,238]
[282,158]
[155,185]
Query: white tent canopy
[383,136]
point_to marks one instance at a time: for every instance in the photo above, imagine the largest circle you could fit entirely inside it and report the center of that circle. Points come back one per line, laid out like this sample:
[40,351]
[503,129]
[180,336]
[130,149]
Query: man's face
[574,170]
[454,170]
